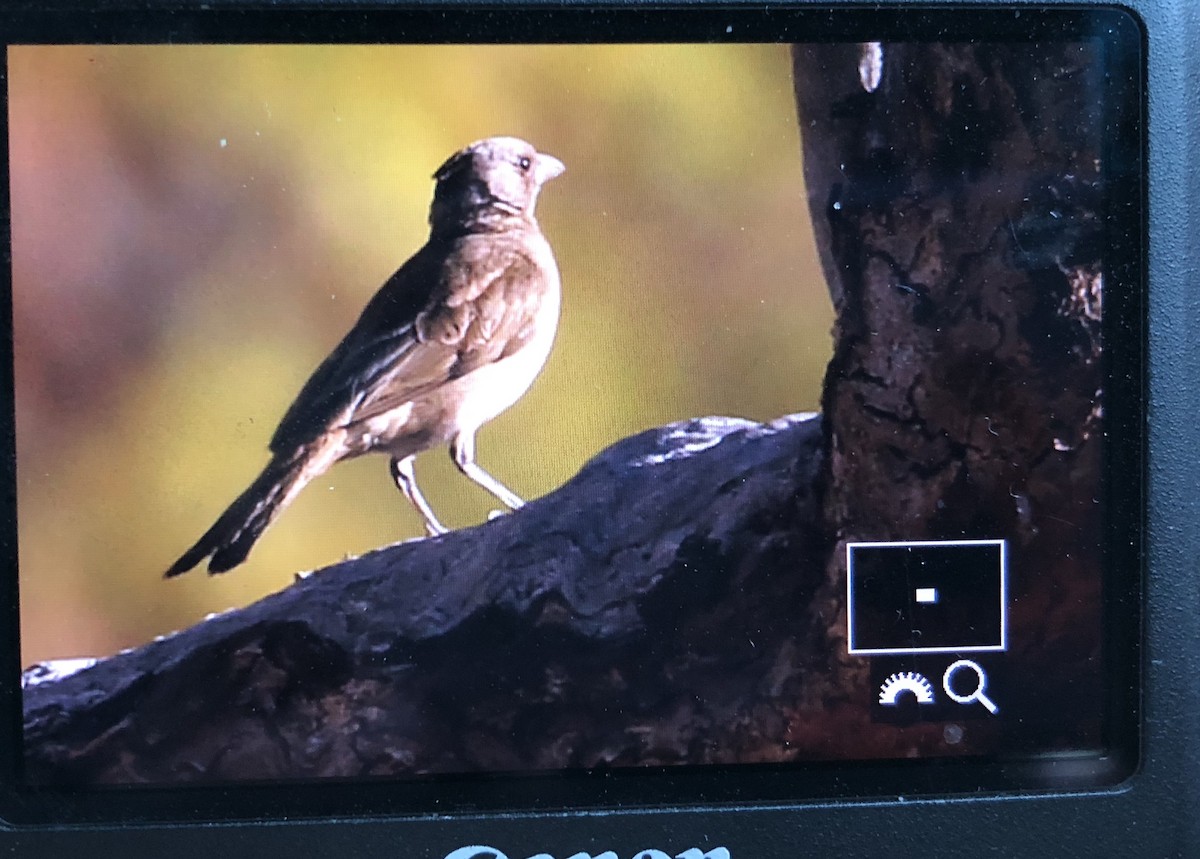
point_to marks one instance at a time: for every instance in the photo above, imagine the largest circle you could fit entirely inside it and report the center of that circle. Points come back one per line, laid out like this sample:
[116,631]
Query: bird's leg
[406,479]
[462,451]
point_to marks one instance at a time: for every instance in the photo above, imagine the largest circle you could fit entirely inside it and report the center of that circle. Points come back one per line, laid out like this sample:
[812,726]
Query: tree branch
[618,619]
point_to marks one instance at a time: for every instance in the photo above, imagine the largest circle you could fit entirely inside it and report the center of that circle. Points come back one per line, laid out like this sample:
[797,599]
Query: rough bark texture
[682,599]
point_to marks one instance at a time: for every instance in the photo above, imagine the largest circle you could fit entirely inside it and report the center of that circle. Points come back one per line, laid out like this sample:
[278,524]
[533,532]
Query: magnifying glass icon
[975,694]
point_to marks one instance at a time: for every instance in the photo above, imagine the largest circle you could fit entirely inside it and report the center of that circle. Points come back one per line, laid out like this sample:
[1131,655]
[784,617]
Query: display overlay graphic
[912,682]
[926,597]
[939,688]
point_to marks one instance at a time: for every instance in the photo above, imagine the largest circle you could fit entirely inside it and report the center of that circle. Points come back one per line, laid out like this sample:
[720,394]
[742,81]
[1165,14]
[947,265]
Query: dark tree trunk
[959,211]
[682,599]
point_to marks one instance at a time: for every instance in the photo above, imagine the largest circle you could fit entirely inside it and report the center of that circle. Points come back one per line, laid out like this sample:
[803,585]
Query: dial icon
[905,681]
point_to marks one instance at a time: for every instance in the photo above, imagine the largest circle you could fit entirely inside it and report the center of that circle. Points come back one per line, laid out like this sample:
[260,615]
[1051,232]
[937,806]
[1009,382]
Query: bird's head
[489,183]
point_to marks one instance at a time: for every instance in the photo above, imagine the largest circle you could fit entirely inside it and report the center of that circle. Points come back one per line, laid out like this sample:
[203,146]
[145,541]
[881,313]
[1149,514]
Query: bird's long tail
[232,536]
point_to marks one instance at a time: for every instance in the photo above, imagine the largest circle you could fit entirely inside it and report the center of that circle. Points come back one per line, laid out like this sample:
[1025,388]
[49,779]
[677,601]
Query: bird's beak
[547,168]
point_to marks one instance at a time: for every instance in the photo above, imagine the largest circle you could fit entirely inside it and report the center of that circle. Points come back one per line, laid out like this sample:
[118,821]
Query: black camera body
[836,397]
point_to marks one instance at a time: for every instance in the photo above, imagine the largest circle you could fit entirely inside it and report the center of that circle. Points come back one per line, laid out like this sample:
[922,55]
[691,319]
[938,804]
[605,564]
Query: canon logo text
[479,851]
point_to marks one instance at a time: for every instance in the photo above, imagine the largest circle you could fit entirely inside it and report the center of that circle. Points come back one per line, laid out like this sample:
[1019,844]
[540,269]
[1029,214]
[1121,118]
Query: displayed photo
[411,411]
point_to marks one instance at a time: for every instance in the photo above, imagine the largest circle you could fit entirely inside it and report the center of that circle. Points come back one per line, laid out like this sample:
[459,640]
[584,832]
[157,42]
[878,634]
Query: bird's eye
[524,163]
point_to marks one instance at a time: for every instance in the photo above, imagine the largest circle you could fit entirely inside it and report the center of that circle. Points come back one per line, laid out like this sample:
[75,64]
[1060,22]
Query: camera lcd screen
[680,407]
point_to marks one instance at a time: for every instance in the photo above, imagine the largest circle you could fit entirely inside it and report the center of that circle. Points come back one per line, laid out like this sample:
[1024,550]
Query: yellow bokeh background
[194,227]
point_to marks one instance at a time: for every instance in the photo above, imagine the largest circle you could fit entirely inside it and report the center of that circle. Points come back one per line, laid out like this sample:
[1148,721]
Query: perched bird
[452,339]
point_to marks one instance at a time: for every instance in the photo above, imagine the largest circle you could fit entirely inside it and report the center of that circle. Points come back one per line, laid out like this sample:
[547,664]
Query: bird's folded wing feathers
[434,320]
[455,339]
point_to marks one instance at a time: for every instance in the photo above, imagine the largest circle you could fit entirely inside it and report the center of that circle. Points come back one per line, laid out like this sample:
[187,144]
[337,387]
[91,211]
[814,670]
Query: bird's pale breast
[490,390]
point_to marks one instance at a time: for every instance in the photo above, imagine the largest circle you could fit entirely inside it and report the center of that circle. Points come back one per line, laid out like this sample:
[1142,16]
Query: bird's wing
[444,313]
[381,336]
[483,311]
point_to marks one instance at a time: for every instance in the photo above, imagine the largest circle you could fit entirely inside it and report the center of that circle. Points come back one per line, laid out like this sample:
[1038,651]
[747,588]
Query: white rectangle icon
[949,600]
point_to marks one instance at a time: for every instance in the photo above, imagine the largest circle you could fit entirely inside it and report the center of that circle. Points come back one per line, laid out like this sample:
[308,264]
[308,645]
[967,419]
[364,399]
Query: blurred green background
[194,227]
